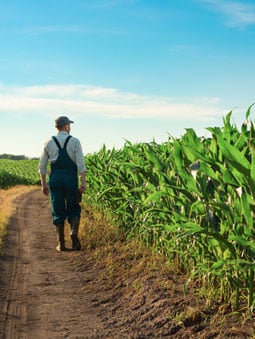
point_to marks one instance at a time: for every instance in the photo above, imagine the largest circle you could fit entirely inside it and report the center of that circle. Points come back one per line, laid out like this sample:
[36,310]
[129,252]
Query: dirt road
[41,290]
[45,294]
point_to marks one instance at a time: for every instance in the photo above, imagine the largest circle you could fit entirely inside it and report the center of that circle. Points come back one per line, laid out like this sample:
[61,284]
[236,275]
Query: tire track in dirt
[41,290]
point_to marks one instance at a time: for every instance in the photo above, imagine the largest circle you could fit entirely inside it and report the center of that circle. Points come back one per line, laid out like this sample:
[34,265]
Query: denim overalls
[63,185]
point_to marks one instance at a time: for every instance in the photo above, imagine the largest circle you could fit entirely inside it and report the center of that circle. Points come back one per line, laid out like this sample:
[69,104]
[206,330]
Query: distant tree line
[14,157]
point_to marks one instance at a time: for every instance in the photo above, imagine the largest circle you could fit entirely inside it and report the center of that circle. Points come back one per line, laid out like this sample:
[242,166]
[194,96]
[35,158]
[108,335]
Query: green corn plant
[191,198]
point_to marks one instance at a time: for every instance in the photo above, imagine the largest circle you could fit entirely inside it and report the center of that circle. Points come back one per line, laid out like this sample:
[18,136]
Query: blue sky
[137,70]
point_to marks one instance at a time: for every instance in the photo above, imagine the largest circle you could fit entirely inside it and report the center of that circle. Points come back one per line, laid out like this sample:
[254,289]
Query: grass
[126,260]
[7,206]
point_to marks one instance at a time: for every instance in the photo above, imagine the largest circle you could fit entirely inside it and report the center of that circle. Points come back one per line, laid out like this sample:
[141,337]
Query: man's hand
[83,188]
[45,190]
[83,182]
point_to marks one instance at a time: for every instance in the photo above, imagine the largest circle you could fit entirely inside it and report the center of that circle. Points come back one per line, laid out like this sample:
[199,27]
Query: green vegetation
[192,199]
[13,157]
[18,172]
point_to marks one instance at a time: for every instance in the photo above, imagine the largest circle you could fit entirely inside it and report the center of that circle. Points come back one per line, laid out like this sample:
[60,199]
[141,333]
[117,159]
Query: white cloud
[100,101]
[71,29]
[237,12]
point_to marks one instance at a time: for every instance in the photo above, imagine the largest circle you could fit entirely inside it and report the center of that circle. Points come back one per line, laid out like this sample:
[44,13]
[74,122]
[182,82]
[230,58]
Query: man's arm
[83,182]
[43,170]
[81,167]
[45,188]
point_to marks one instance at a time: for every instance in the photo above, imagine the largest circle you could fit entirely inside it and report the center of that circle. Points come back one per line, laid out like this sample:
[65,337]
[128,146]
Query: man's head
[62,121]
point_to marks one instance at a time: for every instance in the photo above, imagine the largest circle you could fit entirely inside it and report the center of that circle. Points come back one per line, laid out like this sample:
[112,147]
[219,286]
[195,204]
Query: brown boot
[60,238]
[76,245]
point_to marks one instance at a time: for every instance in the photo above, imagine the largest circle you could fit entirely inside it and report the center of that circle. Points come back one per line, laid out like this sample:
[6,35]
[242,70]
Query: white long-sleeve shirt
[50,152]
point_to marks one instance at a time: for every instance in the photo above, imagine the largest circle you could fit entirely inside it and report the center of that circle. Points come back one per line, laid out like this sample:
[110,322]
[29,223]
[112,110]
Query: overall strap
[67,139]
[58,144]
[56,141]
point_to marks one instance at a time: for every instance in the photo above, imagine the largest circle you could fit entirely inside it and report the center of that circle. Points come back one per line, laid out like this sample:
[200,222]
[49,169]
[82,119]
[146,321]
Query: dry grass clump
[7,205]
[125,260]
[97,229]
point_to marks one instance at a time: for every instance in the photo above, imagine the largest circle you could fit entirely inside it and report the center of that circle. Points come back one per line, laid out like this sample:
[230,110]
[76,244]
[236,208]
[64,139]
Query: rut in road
[41,290]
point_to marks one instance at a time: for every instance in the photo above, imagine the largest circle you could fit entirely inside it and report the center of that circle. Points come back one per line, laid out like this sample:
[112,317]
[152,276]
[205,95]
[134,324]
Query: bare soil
[45,294]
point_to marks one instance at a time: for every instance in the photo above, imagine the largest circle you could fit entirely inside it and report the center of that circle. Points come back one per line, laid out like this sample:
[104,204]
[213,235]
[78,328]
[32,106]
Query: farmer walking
[64,153]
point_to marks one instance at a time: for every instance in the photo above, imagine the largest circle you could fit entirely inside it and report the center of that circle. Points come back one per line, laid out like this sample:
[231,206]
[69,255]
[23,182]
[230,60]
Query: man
[64,153]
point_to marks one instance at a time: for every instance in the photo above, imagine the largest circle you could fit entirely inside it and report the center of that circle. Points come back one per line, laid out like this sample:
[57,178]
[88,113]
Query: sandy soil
[41,294]
[45,294]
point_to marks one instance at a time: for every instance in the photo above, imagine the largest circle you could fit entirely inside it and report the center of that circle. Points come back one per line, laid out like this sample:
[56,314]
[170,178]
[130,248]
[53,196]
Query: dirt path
[45,294]
[41,289]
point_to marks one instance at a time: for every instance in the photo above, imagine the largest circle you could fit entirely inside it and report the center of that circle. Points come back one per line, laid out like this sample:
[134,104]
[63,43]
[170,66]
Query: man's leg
[75,223]
[74,216]
[73,209]
[57,198]
[60,238]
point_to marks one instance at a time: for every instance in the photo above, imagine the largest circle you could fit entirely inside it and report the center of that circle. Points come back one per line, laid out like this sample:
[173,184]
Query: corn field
[193,199]
[18,172]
